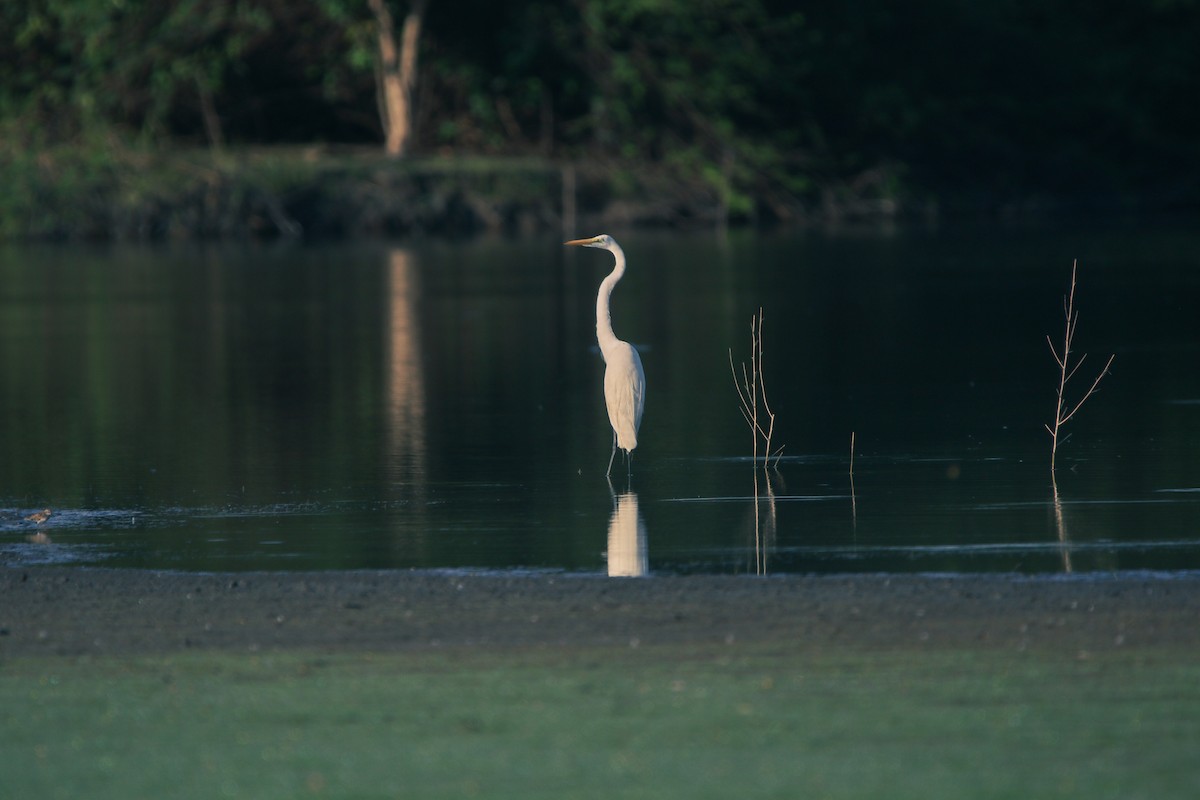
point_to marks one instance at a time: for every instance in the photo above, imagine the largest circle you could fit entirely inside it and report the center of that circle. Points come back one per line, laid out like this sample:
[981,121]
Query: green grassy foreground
[650,722]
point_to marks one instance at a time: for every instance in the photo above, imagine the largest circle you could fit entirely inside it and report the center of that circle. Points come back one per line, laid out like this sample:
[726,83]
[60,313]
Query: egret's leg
[614,455]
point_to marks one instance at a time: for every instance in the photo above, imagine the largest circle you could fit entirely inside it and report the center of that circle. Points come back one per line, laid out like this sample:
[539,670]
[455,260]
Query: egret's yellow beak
[583,242]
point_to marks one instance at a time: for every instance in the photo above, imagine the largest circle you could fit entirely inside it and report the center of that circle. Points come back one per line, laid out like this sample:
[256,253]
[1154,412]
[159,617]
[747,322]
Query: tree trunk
[397,73]
[212,122]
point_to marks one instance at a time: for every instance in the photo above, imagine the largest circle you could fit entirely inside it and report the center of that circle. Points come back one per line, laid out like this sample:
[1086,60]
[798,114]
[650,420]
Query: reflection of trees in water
[404,395]
[626,537]
[405,375]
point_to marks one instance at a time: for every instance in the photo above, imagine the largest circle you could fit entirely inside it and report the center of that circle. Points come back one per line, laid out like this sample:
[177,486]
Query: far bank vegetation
[343,117]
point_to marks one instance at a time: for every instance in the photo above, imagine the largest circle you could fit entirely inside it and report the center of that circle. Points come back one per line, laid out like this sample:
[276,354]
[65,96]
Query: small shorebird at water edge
[39,517]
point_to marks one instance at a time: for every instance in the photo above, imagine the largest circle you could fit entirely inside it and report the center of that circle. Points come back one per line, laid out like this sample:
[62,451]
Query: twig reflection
[853,496]
[1061,527]
[765,524]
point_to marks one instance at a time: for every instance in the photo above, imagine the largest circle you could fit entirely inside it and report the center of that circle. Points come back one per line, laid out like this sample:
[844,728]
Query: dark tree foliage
[761,98]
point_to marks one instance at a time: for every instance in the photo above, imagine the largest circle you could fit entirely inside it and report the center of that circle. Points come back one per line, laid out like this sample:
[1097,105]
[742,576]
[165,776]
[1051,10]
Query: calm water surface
[439,405]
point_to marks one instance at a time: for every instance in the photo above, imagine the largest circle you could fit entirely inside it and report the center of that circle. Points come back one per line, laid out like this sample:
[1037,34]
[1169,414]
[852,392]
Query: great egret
[624,381]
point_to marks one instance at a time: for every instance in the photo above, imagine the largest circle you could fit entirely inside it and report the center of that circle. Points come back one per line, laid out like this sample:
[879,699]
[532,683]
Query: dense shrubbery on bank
[316,193]
[141,119]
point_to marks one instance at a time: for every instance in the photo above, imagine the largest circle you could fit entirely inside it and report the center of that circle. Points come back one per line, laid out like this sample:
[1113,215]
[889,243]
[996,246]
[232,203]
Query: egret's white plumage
[624,381]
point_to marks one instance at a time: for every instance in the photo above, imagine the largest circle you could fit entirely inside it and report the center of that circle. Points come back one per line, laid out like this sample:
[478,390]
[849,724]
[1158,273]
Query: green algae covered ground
[581,687]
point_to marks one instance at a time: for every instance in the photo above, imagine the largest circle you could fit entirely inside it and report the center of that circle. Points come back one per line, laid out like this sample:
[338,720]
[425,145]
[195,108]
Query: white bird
[624,380]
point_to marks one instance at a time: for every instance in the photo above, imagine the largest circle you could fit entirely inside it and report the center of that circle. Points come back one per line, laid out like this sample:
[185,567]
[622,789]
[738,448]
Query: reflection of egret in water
[626,537]
[405,375]
[1061,527]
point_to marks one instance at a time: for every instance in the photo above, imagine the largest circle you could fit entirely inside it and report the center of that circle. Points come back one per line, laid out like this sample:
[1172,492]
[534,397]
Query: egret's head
[603,241]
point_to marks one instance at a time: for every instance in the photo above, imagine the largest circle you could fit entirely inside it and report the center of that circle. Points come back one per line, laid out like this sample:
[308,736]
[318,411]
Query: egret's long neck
[604,331]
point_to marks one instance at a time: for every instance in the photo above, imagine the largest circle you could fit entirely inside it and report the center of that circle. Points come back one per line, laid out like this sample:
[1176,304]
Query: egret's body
[624,380]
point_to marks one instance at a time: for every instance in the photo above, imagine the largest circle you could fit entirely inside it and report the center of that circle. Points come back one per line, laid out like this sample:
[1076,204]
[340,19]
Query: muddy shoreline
[56,611]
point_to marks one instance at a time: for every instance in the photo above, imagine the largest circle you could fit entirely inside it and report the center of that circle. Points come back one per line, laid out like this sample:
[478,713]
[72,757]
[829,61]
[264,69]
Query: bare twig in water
[751,390]
[1064,411]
